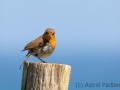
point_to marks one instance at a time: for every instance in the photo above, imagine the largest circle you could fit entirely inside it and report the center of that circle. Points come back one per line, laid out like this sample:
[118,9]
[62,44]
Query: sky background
[87,33]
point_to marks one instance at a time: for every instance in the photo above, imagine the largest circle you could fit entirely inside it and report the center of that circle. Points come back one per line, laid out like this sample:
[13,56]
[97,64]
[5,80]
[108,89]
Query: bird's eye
[53,34]
[46,32]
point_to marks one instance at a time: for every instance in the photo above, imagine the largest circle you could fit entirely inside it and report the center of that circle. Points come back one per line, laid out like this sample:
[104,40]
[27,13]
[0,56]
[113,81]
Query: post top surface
[48,64]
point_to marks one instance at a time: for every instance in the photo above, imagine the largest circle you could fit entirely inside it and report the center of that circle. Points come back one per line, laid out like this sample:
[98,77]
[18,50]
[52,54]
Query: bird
[41,47]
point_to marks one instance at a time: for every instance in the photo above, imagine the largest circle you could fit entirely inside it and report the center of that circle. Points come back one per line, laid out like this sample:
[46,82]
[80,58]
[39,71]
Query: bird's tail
[24,60]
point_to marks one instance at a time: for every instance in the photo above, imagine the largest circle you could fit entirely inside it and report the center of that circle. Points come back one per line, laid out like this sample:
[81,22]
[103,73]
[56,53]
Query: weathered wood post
[45,76]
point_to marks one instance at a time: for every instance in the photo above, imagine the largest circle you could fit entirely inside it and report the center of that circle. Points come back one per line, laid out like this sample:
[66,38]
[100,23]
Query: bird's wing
[34,44]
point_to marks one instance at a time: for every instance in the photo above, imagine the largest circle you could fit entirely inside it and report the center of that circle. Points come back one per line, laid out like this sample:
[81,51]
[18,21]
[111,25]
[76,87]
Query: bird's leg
[42,60]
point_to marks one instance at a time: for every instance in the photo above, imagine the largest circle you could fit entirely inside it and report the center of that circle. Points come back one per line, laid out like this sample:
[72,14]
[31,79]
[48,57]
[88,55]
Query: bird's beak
[50,35]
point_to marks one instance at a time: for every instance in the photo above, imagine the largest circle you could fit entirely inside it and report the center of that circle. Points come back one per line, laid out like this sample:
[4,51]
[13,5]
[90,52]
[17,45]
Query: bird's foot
[42,60]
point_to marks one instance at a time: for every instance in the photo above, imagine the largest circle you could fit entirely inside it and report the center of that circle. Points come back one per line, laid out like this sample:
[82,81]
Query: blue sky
[87,32]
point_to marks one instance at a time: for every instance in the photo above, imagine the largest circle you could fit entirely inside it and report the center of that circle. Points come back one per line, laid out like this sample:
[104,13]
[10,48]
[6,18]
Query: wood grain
[45,76]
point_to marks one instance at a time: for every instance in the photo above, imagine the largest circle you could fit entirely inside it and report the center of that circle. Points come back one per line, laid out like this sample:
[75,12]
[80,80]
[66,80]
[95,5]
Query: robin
[41,47]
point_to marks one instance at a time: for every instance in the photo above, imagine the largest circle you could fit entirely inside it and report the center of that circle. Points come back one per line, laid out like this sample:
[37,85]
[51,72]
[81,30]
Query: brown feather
[34,44]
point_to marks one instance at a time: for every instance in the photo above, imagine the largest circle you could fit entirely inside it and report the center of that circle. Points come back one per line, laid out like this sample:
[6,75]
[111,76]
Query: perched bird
[41,47]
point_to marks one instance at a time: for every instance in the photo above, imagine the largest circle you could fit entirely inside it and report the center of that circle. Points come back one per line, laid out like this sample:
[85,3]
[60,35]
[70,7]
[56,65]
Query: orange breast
[52,41]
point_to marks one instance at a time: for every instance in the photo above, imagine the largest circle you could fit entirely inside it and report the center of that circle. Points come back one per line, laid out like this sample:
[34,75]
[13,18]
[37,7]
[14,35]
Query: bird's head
[49,34]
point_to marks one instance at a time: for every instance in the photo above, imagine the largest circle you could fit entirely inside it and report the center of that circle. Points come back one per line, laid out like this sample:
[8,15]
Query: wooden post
[45,76]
